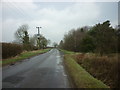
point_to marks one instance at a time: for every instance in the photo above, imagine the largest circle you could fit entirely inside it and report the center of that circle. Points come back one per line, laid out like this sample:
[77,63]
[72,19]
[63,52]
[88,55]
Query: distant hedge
[10,50]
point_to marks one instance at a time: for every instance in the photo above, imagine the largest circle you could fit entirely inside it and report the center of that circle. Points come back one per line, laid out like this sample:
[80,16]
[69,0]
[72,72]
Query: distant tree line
[102,38]
[30,43]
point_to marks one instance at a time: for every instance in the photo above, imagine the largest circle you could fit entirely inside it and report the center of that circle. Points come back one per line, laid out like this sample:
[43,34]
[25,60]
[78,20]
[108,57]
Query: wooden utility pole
[38,30]
[38,36]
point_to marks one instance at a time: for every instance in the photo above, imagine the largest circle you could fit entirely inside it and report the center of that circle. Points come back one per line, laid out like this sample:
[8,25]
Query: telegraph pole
[38,36]
[38,30]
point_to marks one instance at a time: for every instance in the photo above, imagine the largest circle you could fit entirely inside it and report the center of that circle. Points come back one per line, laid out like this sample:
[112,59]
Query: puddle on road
[58,56]
[58,60]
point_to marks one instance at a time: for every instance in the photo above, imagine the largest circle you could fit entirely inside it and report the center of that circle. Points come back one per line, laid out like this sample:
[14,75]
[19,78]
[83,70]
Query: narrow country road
[42,71]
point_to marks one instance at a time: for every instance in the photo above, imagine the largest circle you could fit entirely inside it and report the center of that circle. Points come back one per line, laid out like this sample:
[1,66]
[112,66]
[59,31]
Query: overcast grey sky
[55,18]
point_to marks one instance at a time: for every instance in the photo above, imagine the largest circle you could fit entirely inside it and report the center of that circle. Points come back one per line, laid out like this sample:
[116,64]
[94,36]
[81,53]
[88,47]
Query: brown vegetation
[10,50]
[104,68]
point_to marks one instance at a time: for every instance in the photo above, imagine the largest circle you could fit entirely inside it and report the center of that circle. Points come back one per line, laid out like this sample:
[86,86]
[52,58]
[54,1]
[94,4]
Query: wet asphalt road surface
[42,71]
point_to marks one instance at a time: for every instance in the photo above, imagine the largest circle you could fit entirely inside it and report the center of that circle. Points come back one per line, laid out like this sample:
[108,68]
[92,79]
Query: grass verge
[66,52]
[80,77]
[22,56]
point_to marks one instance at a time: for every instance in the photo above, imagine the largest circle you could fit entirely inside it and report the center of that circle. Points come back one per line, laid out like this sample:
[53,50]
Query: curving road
[42,71]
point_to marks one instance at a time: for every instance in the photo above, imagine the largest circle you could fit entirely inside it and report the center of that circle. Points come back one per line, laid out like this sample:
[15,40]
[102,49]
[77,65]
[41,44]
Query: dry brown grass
[105,68]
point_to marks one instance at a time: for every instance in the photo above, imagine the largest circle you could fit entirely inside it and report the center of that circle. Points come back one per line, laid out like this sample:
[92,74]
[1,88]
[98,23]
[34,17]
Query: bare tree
[20,33]
[22,36]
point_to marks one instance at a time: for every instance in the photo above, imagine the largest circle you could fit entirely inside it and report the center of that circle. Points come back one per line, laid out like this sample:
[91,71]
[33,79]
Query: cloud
[54,22]
[60,0]
[17,0]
